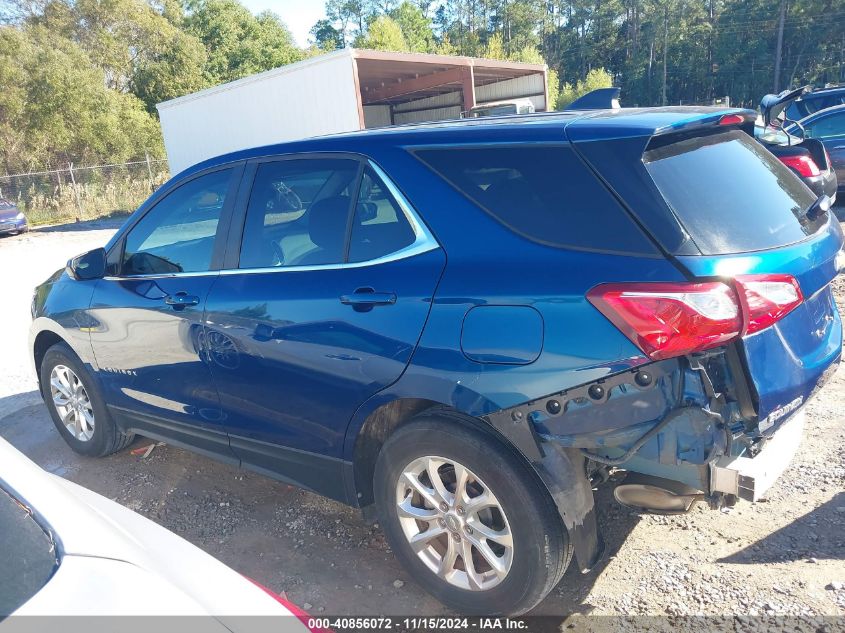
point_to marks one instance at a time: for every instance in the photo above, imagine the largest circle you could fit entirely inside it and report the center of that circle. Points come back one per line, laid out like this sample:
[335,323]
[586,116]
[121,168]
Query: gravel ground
[781,556]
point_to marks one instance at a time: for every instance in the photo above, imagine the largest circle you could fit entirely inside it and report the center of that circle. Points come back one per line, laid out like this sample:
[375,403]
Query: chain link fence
[83,193]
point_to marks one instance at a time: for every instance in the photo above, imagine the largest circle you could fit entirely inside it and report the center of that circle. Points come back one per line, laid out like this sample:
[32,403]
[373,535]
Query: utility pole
[665,42]
[779,46]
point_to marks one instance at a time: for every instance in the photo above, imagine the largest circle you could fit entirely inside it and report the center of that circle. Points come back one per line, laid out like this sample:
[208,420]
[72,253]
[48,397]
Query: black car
[785,138]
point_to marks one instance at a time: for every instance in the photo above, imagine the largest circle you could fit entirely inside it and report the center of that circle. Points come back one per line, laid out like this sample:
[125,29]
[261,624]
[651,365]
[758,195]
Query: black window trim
[220,238]
[655,253]
[424,241]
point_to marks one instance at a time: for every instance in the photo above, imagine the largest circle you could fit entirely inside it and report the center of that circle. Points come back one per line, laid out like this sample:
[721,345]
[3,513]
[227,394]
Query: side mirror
[90,265]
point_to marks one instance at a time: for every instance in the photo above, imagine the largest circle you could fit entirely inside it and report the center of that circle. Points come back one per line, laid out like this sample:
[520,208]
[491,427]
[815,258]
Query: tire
[539,546]
[94,434]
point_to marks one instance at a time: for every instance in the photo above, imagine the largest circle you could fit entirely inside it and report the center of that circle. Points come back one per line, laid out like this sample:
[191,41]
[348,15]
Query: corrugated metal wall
[439,101]
[530,86]
[376,116]
[450,105]
[445,106]
[434,114]
[310,98]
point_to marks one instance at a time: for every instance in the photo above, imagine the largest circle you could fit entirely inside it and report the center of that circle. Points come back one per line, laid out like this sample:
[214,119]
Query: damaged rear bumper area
[686,428]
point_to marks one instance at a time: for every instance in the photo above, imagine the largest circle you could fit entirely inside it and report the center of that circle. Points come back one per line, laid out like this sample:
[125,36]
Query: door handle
[181,300]
[367,298]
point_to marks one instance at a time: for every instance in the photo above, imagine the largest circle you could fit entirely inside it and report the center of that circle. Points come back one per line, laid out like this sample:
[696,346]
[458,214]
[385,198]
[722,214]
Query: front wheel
[78,411]
[468,518]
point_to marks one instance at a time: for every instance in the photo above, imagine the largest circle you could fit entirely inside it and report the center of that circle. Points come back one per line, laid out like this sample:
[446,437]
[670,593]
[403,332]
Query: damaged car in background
[806,156]
[462,327]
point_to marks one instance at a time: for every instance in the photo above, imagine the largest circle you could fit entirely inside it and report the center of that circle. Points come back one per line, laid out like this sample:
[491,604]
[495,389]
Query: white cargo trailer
[349,89]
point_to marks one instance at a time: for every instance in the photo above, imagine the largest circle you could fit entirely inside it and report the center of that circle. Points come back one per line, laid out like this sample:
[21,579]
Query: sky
[299,15]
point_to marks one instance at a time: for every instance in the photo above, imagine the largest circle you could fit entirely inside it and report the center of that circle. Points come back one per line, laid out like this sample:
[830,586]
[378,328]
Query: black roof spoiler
[599,99]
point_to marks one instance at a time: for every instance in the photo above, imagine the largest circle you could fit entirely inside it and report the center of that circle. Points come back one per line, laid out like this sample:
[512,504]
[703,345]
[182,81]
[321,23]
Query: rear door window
[731,194]
[298,213]
[543,193]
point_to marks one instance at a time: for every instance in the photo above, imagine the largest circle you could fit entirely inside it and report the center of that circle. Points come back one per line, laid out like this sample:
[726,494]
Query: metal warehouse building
[349,89]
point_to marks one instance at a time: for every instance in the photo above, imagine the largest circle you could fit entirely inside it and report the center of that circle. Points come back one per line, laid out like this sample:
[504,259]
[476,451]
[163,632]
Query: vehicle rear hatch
[722,206]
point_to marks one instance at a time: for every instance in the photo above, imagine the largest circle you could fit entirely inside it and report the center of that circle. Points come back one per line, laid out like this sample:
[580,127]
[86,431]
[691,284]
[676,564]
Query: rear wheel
[74,402]
[468,518]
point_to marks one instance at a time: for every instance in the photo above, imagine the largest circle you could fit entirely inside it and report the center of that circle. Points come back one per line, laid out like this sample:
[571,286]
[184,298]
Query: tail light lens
[300,614]
[767,298]
[804,165]
[673,319]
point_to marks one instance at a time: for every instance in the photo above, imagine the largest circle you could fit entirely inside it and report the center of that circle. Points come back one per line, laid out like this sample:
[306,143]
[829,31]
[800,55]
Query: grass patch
[99,197]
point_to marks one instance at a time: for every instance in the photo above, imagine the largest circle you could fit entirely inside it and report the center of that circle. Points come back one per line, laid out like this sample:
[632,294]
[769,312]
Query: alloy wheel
[454,523]
[72,403]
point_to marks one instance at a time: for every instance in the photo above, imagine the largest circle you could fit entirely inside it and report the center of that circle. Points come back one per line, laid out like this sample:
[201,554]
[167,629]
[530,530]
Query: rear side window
[831,125]
[29,555]
[543,193]
[379,226]
[731,194]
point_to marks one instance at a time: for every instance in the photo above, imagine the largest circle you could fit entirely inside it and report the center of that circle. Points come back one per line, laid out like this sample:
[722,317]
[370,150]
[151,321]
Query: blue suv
[462,327]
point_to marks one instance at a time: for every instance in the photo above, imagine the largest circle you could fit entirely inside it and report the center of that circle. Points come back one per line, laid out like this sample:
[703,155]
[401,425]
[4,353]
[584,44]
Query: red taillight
[732,119]
[671,319]
[767,298]
[804,165]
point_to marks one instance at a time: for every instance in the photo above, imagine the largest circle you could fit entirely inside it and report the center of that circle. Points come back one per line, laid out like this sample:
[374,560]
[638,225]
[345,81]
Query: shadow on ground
[15,402]
[816,534]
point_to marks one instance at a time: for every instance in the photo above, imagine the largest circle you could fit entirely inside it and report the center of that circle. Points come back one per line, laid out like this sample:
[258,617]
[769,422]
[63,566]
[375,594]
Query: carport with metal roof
[396,88]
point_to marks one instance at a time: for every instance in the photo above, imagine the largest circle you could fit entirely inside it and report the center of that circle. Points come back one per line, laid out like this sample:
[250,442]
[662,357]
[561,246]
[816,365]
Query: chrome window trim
[423,243]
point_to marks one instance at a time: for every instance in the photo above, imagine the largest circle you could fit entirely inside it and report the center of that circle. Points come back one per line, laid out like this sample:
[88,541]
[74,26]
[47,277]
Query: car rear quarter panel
[488,265]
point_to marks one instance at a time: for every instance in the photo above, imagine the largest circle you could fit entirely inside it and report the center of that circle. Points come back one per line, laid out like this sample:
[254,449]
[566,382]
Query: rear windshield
[731,194]
[29,555]
[543,193]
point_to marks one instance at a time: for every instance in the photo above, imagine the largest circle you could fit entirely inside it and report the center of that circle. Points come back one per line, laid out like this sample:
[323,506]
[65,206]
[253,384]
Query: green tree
[170,72]
[596,78]
[416,28]
[325,36]
[56,107]
[383,34]
[238,43]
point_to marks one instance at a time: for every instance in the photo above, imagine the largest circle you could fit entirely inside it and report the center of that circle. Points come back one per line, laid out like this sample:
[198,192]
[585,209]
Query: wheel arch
[560,472]
[387,418]
[44,340]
